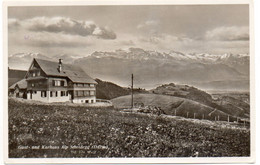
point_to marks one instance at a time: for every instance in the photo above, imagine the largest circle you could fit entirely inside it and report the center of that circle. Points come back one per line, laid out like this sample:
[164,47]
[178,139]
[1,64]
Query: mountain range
[152,68]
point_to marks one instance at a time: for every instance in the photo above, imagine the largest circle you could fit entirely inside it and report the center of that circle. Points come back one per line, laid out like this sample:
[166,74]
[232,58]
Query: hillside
[15,76]
[109,90]
[97,132]
[170,104]
[184,91]
[226,104]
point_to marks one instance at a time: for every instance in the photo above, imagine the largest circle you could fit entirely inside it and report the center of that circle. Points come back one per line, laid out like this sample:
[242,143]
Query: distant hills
[109,90]
[227,104]
[15,76]
[152,68]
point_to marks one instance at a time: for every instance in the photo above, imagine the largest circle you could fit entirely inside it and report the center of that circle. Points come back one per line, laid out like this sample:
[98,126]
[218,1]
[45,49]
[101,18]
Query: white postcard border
[250,159]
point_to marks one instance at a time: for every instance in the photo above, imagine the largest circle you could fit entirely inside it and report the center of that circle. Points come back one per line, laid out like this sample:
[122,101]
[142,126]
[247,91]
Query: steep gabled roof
[74,73]
[22,84]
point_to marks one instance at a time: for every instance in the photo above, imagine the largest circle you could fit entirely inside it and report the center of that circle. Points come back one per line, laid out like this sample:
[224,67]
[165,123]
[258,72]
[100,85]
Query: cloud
[127,43]
[164,39]
[50,40]
[231,33]
[65,25]
[13,23]
[149,23]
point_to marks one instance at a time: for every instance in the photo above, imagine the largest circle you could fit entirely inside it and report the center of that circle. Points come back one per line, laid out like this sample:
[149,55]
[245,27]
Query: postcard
[129,81]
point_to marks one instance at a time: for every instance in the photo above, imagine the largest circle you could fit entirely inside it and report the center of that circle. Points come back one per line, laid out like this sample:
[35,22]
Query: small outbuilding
[19,89]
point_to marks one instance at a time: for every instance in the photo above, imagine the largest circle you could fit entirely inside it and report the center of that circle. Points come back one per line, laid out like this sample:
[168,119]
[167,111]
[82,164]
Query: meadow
[43,130]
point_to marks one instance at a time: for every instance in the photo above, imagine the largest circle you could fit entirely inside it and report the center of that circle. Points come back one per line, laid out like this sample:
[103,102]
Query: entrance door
[70,95]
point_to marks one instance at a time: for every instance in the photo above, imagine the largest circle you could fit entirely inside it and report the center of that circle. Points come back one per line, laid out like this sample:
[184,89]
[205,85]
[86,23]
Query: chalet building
[19,89]
[50,81]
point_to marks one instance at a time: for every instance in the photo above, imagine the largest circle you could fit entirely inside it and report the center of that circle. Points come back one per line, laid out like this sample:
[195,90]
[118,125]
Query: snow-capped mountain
[152,67]
[140,54]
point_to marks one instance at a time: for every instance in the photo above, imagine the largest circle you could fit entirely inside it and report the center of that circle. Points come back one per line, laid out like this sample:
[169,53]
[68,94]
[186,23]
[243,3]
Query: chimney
[60,65]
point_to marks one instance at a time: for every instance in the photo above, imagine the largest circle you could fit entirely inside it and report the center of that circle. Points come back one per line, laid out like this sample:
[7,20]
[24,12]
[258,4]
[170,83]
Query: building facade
[49,81]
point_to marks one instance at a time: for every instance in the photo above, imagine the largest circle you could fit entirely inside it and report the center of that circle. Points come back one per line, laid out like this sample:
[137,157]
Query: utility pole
[132,95]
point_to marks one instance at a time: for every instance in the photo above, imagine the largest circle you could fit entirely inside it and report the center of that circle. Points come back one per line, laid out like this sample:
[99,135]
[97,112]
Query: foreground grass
[66,131]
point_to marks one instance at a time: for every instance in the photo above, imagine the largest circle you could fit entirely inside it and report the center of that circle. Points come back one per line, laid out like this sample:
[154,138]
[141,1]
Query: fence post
[175,112]
[218,117]
[194,115]
[187,114]
[215,118]
[228,118]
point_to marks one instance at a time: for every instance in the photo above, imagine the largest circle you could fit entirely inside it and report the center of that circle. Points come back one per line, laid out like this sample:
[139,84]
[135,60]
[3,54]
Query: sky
[81,30]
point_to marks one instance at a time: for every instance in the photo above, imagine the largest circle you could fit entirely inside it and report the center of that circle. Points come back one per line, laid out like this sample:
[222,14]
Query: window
[86,93]
[56,93]
[80,93]
[92,93]
[43,93]
[33,74]
[62,93]
[38,73]
[86,101]
[79,85]
[67,93]
[57,83]
[50,93]
[32,84]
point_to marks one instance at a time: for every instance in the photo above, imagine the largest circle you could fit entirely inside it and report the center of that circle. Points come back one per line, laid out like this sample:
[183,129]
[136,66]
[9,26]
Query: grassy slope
[120,134]
[170,103]
[108,90]
[229,105]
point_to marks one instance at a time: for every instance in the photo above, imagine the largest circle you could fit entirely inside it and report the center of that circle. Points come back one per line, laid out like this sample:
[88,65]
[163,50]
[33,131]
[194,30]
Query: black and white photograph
[135,81]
